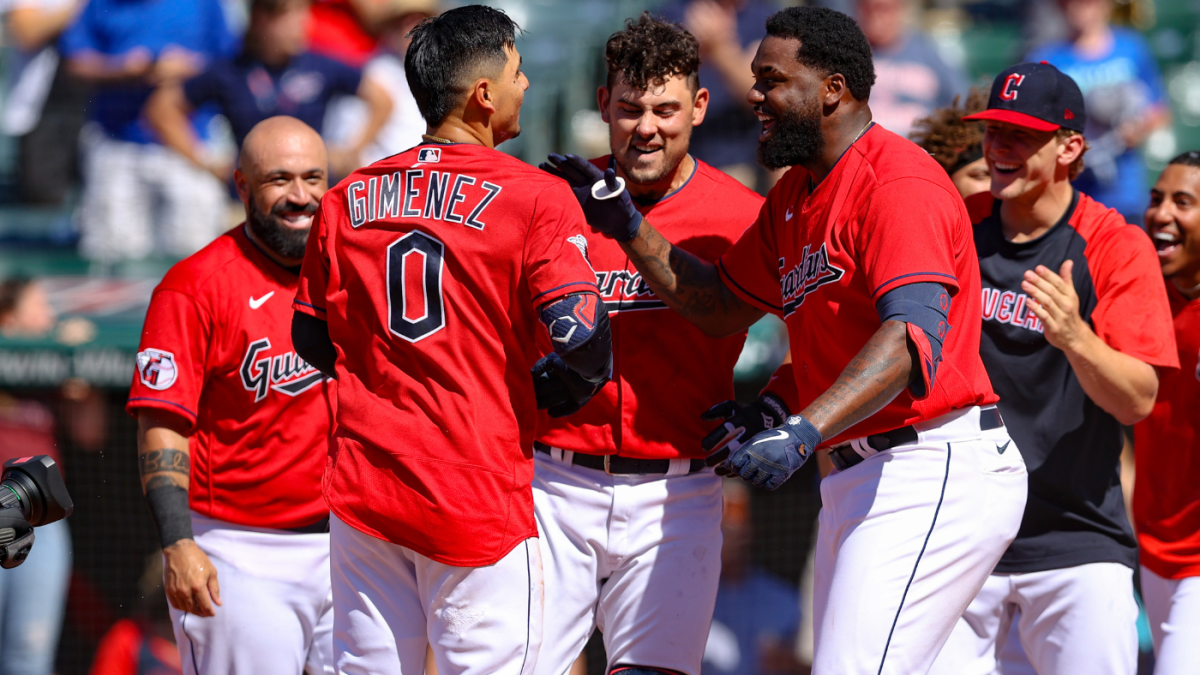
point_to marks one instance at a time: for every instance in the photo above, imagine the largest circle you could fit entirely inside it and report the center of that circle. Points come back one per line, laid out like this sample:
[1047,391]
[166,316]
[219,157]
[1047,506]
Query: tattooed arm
[688,284]
[164,463]
[876,375]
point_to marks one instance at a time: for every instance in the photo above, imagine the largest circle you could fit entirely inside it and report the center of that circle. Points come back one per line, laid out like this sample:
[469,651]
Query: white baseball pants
[277,611]
[906,539]
[639,557]
[1173,607]
[390,602]
[1067,621]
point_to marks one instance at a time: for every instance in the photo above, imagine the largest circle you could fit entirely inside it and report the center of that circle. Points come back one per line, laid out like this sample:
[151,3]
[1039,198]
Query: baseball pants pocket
[390,602]
[1173,607]
[906,539]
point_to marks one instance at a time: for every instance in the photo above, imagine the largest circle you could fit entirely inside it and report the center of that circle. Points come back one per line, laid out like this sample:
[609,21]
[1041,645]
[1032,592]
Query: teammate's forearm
[876,375]
[164,464]
[1122,385]
[688,284]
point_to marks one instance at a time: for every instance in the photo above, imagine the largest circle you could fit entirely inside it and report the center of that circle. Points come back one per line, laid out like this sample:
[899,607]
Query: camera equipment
[32,493]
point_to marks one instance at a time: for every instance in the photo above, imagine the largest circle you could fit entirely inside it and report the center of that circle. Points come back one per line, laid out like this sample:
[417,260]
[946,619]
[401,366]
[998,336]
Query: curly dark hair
[944,134]
[651,50]
[830,42]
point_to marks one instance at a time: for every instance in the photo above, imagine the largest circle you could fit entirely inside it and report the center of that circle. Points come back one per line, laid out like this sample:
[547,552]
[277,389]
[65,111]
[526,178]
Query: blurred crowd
[131,112]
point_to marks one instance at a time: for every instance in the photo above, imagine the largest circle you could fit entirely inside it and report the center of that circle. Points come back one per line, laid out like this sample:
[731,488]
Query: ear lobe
[603,97]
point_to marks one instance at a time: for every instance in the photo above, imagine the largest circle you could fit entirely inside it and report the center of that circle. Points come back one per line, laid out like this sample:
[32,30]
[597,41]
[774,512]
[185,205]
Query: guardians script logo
[287,373]
[812,272]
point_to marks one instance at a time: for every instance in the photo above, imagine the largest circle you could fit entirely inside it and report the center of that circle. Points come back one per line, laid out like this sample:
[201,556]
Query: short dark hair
[830,42]
[449,50]
[650,51]
[1189,158]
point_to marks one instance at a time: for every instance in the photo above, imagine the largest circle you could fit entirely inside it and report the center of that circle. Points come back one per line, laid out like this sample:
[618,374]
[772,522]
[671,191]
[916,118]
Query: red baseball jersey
[216,350]
[821,255]
[645,412]
[1166,496]
[428,267]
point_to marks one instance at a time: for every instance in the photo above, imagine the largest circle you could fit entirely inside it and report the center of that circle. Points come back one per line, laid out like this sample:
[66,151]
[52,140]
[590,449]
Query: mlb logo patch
[429,155]
[157,368]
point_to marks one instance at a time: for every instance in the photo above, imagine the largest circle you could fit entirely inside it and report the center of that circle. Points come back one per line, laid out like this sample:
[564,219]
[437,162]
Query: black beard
[274,233]
[797,139]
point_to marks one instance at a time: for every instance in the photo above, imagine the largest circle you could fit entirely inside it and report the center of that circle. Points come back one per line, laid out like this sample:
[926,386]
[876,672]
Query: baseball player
[864,247]
[233,429]
[431,280]
[1075,321]
[1166,502]
[628,513]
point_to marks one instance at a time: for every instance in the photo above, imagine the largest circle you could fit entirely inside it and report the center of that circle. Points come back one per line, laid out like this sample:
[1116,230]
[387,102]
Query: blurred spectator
[32,596]
[42,105]
[956,144]
[757,615]
[394,19]
[729,32]
[143,644]
[140,197]
[1124,97]
[274,75]
[339,30]
[911,79]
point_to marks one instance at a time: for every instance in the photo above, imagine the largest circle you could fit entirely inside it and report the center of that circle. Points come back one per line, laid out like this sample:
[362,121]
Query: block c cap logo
[1009,92]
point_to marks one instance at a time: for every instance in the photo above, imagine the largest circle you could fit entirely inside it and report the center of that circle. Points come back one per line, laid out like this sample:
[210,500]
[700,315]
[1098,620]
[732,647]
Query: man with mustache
[865,249]
[233,429]
[648,583]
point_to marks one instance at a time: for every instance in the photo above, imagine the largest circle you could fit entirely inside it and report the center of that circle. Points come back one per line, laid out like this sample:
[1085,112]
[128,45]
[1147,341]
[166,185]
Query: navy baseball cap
[1036,96]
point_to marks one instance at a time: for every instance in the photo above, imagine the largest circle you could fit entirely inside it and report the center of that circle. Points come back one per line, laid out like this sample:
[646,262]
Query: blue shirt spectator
[141,42]
[1121,86]
[911,79]
[754,626]
[248,91]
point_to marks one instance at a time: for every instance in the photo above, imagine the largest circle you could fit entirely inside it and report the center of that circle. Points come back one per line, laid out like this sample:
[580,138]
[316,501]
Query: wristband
[806,432]
[169,507]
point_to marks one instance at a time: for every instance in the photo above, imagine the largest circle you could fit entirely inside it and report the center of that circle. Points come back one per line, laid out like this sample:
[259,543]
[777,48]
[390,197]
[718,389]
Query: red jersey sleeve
[170,367]
[750,268]
[906,236]
[1132,314]
[314,273]
[555,255]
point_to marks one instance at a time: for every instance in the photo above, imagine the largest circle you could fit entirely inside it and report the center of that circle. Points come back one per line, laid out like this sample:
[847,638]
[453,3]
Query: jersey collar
[612,164]
[1057,227]
[812,185]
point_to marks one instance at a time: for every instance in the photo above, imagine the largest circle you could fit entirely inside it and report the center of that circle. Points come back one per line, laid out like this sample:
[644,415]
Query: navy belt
[319,527]
[617,465]
[845,456]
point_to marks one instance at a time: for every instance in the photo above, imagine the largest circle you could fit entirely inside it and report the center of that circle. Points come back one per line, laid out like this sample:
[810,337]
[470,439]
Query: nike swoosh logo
[783,435]
[1001,448]
[788,215]
[255,304]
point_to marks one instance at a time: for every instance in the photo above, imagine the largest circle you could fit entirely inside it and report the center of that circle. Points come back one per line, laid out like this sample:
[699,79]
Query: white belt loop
[679,467]
[560,455]
[568,456]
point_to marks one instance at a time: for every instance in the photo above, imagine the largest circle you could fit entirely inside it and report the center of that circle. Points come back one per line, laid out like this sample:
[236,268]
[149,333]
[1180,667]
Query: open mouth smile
[1166,243]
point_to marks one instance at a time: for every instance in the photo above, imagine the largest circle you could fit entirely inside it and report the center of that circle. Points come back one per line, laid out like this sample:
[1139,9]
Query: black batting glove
[614,215]
[559,390]
[742,422]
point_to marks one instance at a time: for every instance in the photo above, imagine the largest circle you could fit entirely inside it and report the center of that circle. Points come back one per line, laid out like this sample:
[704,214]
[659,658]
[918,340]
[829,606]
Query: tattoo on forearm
[165,460]
[686,282]
[873,378]
[160,482]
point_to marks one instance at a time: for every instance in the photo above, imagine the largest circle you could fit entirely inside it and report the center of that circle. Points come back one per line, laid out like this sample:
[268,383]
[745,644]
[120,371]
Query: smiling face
[1023,161]
[787,101]
[508,93]
[649,131]
[1173,220]
[281,179]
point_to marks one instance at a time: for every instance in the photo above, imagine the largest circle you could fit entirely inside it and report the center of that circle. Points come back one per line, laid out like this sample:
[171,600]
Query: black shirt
[1075,513]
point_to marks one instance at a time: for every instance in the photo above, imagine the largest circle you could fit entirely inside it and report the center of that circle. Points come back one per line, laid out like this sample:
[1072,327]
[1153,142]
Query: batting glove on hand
[559,390]
[741,423]
[605,201]
[771,457]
